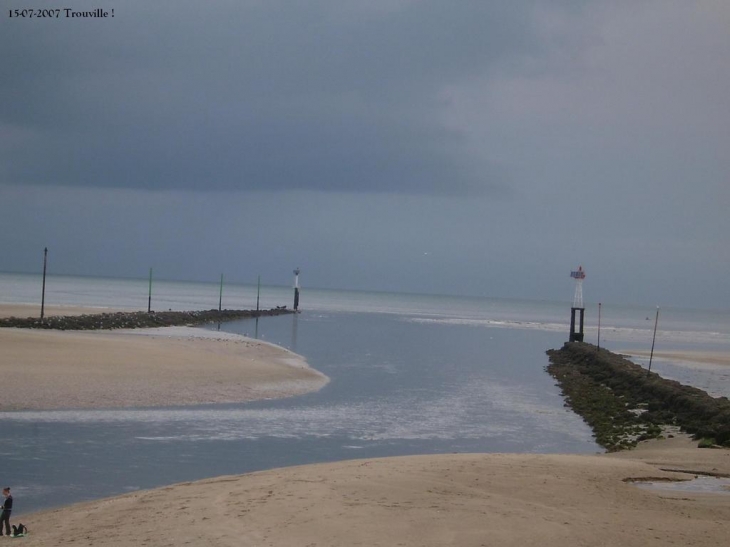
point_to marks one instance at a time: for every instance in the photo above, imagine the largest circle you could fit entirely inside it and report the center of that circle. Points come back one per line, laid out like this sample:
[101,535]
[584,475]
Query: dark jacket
[8,505]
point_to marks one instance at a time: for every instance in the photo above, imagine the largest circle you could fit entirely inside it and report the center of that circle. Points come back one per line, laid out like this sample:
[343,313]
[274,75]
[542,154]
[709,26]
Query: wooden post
[220,296]
[599,326]
[43,291]
[258,294]
[149,297]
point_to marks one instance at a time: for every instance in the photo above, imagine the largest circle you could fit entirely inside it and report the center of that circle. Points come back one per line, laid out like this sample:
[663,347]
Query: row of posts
[149,296]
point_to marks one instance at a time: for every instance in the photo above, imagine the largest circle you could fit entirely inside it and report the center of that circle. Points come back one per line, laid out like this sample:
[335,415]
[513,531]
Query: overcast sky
[460,147]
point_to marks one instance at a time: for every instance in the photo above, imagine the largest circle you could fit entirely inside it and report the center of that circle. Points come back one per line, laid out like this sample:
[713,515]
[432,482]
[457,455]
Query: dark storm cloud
[607,123]
[253,95]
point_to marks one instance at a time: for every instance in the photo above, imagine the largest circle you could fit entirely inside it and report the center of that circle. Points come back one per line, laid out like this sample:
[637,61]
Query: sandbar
[170,366]
[34,310]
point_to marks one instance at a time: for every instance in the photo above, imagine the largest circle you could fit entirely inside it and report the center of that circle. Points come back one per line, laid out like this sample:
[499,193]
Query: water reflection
[397,388]
[700,484]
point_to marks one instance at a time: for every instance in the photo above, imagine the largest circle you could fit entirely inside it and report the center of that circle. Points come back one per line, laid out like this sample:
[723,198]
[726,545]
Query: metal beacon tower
[579,275]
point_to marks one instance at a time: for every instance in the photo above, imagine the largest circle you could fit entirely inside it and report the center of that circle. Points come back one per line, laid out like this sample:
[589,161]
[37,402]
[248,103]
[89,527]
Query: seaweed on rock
[624,403]
[136,320]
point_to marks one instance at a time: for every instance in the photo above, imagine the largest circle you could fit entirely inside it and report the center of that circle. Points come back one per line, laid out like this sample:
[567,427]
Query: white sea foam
[608,332]
[460,411]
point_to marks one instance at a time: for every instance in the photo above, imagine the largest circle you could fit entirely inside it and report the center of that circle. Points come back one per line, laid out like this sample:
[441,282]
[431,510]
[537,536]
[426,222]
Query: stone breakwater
[624,403]
[136,320]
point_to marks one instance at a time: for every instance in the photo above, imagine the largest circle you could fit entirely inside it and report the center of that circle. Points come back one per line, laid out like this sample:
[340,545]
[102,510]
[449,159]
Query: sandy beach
[44,369]
[690,358]
[34,310]
[456,500]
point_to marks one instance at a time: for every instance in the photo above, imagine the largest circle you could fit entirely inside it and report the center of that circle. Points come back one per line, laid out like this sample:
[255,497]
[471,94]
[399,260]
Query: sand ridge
[34,310]
[44,369]
[465,500]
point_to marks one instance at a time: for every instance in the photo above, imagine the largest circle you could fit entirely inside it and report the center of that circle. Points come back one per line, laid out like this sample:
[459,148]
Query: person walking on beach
[7,508]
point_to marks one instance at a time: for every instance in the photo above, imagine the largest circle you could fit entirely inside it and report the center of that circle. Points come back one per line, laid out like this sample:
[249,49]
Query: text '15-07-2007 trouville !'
[60,13]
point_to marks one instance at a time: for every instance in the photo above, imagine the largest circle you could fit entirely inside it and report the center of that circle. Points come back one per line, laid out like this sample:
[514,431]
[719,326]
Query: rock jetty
[136,320]
[624,403]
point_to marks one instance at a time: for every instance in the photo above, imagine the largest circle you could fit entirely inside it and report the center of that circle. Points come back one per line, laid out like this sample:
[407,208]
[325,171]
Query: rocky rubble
[136,320]
[624,403]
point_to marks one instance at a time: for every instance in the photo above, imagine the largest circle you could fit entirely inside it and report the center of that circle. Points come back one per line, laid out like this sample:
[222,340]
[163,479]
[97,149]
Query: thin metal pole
[220,296]
[651,355]
[149,298]
[43,291]
[599,325]
[258,294]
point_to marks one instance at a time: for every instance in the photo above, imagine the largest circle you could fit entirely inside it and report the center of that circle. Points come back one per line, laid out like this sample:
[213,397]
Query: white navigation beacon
[579,275]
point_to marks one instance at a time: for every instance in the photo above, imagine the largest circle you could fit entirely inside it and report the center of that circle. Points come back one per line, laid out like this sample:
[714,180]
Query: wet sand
[465,500]
[691,358]
[45,369]
[34,310]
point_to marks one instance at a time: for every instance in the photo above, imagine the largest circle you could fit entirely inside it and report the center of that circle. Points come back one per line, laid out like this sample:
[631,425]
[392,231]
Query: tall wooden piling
[149,295]
[43,290]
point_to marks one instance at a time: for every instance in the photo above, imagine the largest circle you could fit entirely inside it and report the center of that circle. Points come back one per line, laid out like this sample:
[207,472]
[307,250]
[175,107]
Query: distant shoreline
[34,310]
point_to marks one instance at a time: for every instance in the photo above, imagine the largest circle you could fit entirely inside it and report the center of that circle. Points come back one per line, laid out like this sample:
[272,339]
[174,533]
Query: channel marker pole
[43,291]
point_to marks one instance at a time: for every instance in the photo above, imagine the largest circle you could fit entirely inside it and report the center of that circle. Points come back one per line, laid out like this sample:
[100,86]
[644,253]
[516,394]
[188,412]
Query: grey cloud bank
[457,147]
[279,95]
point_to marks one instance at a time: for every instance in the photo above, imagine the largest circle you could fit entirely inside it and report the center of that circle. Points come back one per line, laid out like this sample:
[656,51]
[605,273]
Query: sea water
[410,374]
